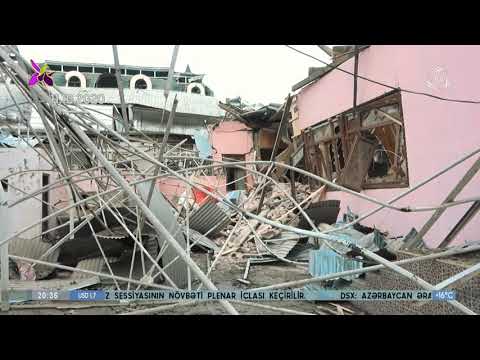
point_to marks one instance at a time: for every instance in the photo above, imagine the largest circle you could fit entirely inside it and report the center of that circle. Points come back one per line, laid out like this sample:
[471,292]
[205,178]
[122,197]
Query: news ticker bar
[271,295]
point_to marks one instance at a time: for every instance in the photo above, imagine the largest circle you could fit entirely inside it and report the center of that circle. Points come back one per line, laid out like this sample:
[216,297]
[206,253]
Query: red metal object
[201,197]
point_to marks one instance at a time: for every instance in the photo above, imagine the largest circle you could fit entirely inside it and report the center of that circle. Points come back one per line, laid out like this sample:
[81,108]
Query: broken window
[74,81]
[363,152]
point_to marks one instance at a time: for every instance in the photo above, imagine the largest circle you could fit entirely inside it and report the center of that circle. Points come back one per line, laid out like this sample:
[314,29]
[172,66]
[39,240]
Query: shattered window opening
[371,149]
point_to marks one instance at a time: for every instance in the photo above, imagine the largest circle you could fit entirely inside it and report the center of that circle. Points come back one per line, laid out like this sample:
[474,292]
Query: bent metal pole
[161,230]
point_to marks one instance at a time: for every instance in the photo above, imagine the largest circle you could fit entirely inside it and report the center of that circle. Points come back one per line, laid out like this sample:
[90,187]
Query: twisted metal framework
[97,143]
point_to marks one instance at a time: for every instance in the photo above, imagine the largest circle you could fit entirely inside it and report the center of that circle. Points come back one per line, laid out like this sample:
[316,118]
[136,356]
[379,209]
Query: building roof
[122,66]
[318,73]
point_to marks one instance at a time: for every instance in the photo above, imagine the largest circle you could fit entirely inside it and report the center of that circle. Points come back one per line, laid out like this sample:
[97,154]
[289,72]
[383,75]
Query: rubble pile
[276,207]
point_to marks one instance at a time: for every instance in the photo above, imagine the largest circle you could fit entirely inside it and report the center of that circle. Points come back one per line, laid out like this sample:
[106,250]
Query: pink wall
[232,137]
[437,132]
[173,188]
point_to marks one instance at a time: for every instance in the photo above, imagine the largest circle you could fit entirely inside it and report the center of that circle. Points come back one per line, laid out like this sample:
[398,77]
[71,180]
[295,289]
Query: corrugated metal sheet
[195,236]
[280,248]
[95,264]
[209,216]
[34,248]
[162,209]
[324,262]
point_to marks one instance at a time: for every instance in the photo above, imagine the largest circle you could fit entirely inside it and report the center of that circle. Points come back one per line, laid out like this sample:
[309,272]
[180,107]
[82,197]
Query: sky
[258,73]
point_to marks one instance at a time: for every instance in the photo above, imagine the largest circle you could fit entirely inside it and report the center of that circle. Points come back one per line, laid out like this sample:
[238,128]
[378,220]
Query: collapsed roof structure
[99,180]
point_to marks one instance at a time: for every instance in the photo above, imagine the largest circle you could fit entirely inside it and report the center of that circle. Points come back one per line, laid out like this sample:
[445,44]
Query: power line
[382,84]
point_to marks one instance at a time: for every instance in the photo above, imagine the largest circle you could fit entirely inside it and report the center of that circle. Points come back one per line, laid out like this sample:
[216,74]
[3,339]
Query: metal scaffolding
[143,218]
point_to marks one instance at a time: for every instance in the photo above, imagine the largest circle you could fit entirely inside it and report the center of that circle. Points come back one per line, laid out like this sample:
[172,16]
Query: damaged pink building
[403,138]
[229,140]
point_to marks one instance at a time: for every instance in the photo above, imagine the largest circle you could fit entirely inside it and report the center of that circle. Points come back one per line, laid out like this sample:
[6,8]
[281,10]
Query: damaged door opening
[233,174]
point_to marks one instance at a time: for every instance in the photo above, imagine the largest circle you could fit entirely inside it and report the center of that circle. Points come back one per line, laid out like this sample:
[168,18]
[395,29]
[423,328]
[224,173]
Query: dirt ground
[224,277]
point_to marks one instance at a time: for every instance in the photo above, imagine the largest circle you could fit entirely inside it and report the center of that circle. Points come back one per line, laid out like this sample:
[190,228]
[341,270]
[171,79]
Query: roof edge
[323,71]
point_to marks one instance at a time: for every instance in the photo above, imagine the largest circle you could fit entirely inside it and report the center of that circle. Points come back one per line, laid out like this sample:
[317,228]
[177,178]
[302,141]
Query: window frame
[322,156]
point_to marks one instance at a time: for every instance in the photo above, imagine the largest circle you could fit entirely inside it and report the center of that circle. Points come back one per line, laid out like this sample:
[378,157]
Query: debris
[342,307]
[104,197]
[321,212]
[26,271]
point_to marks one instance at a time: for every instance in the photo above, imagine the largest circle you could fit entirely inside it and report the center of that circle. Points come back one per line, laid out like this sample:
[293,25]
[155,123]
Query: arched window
[106,81]
[74,81]
[140,84]
[196,88]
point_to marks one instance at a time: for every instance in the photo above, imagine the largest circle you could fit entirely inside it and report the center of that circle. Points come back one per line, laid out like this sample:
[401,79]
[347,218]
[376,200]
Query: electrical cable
[333,67]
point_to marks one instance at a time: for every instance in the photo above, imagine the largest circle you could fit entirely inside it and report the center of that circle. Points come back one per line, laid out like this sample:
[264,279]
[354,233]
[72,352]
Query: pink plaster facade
[233,138]
[437,132]
[174,188]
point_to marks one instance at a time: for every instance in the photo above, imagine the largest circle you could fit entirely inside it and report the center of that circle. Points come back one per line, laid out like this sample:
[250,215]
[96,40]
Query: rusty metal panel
[358,162]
